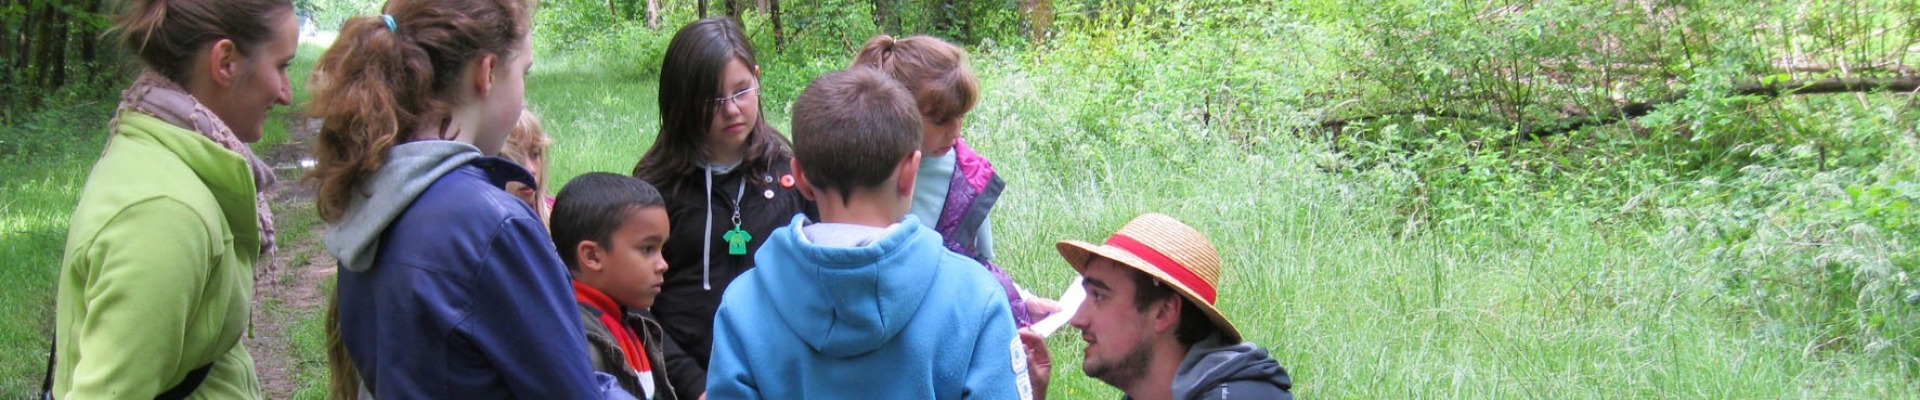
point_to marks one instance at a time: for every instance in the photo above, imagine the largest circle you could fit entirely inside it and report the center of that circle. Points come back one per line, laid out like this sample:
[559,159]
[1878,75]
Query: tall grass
[1340,269]
[1405,260]
[1317,272]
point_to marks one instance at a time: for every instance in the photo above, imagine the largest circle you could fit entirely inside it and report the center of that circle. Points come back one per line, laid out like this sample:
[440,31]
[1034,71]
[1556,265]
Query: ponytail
[379,83]
[877,53]
[934,70]
[370,88]
[343,380]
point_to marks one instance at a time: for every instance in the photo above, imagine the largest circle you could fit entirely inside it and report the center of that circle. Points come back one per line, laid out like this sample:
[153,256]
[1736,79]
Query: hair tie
[390,26]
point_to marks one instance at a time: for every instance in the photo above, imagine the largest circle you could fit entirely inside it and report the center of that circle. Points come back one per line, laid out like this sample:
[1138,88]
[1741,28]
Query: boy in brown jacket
[608,229]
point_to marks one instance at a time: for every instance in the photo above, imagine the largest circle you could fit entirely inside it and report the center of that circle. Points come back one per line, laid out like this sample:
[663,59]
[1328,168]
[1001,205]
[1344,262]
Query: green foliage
[1393,185]
[330,14]
[825,27]
[565,25]
[52,50]
[1797,205]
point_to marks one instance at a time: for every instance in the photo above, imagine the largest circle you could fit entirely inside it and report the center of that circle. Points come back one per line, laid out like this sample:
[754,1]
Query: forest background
[1454,199]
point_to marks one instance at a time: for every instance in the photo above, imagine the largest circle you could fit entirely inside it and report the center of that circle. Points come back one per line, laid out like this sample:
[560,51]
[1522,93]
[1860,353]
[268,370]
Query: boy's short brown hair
[852,127]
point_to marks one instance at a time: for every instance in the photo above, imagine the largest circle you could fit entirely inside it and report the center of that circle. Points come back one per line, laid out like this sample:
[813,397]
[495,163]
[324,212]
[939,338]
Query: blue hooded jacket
[898,318]
[450,288]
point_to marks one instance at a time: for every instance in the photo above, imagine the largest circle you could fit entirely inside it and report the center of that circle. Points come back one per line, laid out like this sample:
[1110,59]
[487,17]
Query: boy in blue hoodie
[866,303]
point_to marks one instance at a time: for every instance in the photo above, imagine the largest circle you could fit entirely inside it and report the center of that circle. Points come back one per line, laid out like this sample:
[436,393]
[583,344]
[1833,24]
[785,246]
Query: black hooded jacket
[691,291]
[1216,370]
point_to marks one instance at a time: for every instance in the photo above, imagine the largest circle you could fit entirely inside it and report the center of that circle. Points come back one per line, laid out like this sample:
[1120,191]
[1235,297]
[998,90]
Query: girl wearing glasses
[725,175]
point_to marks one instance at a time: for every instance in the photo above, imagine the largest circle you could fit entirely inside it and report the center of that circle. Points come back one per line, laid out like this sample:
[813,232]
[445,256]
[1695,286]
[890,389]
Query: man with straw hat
[1150,321]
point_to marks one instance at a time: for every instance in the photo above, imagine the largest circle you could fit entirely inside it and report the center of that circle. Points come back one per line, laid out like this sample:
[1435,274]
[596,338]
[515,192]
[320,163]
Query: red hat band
[1165,264]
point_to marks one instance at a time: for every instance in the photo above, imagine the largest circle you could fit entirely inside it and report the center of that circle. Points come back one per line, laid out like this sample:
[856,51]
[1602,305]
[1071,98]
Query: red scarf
[610,315]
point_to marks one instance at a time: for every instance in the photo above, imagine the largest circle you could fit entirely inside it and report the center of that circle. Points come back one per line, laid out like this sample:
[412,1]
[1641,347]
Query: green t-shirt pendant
[737,240]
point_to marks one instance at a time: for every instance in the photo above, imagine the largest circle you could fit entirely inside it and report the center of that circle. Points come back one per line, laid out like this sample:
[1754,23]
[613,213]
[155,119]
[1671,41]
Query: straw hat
[1167,250]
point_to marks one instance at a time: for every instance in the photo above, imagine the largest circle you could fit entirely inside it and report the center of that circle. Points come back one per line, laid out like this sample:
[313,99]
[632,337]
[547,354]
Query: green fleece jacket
[158,269]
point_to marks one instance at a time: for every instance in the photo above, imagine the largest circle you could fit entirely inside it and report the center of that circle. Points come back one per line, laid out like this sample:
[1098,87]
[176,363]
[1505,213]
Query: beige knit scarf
[155,95]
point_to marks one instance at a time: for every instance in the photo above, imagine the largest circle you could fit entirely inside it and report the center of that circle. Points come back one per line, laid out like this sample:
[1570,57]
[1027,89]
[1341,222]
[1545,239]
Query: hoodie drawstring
[706,239]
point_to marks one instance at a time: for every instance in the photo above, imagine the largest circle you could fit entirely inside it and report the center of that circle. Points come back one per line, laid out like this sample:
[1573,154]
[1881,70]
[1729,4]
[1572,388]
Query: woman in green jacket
[155,286]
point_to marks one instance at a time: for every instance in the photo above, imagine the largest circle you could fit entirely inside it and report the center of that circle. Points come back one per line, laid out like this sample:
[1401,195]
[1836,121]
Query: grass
[600,120]
[1315,271]
[296,223]
[1318,268]
[307,339]
[42,184]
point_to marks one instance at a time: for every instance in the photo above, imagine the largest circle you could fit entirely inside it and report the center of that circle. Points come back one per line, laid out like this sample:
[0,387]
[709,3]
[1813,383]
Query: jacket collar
[225,173]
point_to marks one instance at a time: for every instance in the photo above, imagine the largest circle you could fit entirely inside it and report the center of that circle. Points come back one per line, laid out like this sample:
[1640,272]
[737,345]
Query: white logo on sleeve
[1022,382]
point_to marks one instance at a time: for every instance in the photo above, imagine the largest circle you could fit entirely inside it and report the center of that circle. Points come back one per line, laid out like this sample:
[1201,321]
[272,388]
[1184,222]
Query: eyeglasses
[736,97]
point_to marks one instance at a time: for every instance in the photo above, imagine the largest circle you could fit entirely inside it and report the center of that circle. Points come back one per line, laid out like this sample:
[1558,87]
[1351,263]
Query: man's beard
[1123,373]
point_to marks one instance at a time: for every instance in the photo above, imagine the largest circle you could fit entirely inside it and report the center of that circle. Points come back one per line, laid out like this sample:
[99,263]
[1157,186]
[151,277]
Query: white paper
[1069,303]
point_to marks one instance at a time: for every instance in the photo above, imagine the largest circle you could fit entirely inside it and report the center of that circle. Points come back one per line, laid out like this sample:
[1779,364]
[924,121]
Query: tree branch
[1774,89]
[1909,84]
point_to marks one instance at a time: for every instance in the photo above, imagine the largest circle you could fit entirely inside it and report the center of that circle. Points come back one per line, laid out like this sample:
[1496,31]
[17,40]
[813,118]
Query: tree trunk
[733,11]
[653,14]
[90,37]
[43,26]
[943,18]
[10,46]
[779,31]
[56,49]
[1039,14]
[883,17]
[703,9]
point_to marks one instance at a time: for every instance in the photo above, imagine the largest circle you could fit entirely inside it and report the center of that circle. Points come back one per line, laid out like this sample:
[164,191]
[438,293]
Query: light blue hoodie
[899,317]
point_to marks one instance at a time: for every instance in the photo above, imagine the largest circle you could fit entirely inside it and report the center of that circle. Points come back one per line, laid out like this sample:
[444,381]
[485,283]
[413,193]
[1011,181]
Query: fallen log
[1767,89]
[1908,84]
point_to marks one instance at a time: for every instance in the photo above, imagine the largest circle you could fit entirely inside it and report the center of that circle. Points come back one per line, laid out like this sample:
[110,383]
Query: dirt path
[288,289]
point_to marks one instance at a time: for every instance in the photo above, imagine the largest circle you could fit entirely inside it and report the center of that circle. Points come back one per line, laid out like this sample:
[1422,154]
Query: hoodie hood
[867,293]
[410,169]
[1212,362]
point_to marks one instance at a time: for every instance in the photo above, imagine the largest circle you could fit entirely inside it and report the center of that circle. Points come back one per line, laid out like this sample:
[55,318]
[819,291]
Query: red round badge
[786,181]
